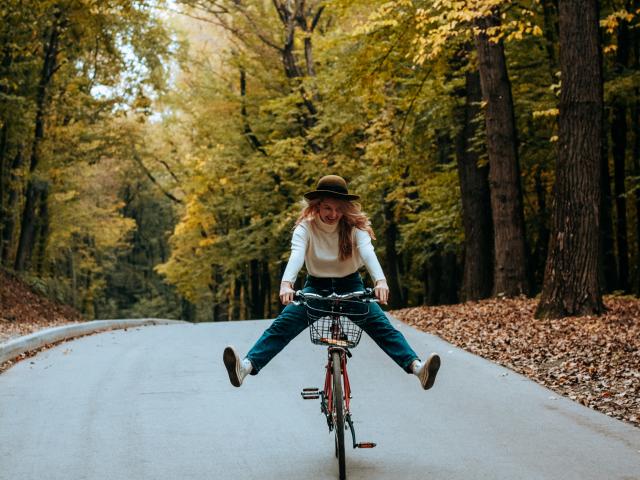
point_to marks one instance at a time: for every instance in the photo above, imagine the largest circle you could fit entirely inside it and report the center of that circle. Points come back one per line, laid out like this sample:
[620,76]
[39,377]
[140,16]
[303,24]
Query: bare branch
[138,160]
[166,165]
[247,130]
[413,100]
[391,49]
[222,23]
[213,8]
[282,12]
[316,18]
[190,15]
[260,35]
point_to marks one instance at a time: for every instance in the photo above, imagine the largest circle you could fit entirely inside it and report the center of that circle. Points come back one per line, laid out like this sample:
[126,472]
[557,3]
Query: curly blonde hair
[352,217]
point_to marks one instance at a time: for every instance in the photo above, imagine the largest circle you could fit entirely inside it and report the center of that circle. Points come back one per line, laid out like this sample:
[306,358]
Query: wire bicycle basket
[336,322]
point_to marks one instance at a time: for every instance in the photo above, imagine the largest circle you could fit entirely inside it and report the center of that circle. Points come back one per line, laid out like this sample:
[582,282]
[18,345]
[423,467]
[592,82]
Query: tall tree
[619,149]
[571,273]
[510,271]
[477,278]
[608,268]
[36,187]
[635,122]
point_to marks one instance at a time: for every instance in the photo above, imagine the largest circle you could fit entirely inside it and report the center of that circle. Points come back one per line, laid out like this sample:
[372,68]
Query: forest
[153,153]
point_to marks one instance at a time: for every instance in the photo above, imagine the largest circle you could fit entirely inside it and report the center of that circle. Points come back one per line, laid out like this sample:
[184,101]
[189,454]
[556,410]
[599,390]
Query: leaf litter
[592,360]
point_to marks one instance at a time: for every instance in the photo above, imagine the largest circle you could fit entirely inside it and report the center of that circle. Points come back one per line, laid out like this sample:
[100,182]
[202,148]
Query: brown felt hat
[331,186]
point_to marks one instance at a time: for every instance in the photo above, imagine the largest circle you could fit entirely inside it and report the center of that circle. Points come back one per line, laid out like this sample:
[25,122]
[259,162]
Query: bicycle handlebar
[367,296]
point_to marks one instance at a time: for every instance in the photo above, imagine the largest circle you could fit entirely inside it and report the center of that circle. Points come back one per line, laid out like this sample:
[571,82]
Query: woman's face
[329,210]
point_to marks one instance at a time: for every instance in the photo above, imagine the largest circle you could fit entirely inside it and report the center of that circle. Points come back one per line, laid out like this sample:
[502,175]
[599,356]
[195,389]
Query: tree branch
[166,165]
[248,132]
[413,101]
[316,18]
[138,160]
[242,37]
[282,12]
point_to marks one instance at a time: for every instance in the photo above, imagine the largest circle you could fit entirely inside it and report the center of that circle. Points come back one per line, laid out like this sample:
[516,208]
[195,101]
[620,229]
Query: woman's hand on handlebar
[286,293]
[381,290]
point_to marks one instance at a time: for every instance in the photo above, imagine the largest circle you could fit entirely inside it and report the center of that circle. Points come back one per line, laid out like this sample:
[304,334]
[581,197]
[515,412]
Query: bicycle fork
[326,396]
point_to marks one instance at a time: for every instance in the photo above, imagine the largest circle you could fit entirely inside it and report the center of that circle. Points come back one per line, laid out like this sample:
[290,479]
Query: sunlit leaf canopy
[179,137]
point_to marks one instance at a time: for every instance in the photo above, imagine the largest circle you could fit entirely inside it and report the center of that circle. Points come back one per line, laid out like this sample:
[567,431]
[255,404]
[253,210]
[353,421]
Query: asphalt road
[155,403]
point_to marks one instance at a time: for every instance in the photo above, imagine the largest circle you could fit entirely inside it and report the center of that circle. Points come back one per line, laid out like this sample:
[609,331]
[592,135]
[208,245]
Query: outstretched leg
[393,343]
[284,328]
[388,338]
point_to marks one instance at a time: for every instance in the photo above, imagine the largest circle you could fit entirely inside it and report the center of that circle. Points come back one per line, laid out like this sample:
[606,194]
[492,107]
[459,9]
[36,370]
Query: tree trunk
[425,284]
[26,245]
[11,209]
[187,310]
[27,226]
[257,299]
[7,58]
[292,13]
[449,280]
[571,274]
[87,303]
[434,276]
[74,278]
[635,125]
[308,56]
[42,229]
[550,13]
[236,302]
[619,139]
[607,263]
[265,289]
[510,271]
[636,173]
[289,60]
[441,274]
[396,299]
[540,252]
[220,308]
[477,276]
[4,140]
[34,222]
[308,28]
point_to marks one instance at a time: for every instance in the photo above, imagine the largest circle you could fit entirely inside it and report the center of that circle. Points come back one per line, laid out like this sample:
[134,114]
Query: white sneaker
[236,368]
[428,371]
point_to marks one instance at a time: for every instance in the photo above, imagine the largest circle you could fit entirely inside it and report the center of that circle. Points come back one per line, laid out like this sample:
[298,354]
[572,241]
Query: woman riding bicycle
[332,238]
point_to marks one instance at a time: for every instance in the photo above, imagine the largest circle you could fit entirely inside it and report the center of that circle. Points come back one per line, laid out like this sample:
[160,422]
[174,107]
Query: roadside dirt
[22,311]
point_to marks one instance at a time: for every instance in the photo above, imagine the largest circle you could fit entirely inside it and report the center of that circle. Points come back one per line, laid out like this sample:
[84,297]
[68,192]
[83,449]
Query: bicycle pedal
[310,397]
[310,393]
[365,445]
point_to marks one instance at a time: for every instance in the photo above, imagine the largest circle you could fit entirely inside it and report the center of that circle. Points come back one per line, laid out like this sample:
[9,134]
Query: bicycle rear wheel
[338,410]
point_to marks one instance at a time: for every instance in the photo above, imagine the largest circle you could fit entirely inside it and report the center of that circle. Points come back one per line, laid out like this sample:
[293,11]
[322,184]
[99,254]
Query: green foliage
[157,155]
[381,122]
[106,57]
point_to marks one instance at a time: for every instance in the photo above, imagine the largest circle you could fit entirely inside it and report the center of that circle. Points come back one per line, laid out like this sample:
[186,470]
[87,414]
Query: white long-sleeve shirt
[316,245]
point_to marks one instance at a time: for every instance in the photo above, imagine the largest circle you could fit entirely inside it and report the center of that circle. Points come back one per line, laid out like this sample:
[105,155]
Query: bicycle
[333,322]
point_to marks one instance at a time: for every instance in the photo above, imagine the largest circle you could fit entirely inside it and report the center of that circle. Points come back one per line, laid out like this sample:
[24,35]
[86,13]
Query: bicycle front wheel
[338,412]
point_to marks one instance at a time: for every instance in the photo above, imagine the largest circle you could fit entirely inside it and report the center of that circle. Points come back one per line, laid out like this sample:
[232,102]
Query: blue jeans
[293,320]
